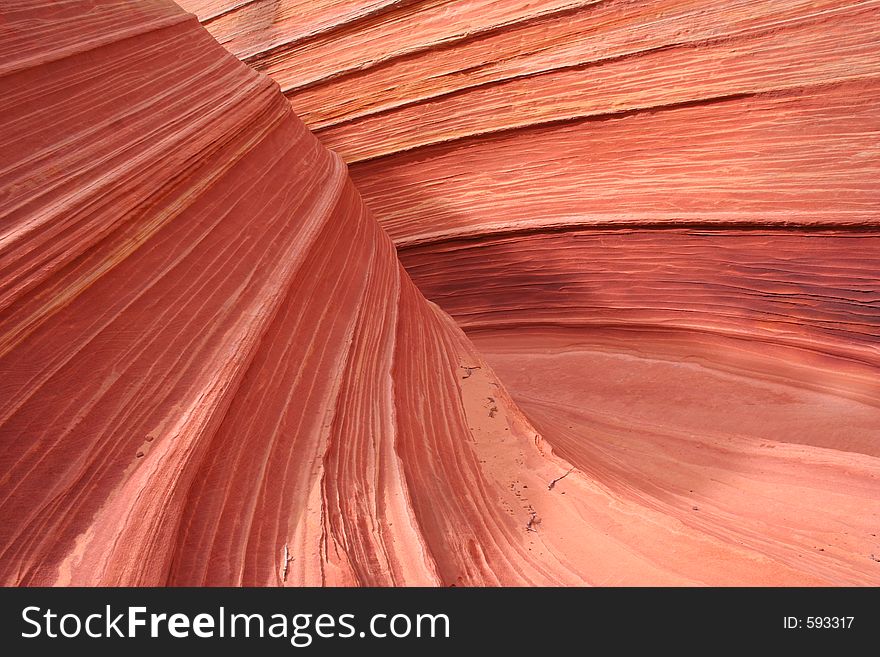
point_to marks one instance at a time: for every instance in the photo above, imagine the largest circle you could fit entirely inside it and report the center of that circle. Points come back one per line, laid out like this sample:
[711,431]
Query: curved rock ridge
[814,292]
[215,370]
[474,117]
[657,220]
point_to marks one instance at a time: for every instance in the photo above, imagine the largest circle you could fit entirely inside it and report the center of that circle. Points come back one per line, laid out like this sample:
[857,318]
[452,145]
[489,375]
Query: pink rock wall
[657,222]
[214,369]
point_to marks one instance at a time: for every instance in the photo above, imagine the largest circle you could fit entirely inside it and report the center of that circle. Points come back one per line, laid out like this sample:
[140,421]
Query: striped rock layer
[655,221]
[658,221]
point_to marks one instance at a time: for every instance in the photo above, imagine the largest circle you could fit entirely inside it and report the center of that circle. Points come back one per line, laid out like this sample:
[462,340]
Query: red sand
[656,221]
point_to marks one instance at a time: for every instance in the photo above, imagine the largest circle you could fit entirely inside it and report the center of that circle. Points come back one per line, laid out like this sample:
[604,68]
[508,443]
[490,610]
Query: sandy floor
[745,448]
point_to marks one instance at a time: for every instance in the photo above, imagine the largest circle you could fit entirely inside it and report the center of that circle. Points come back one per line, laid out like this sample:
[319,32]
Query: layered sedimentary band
[215,370]
[657,222]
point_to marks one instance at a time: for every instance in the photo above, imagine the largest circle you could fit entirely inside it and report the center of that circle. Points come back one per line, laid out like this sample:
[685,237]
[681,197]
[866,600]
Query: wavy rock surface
[215,370]
[657,220]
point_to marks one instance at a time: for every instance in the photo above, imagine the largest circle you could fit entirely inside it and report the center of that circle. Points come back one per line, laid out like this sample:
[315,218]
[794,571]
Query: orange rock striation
[214,369]
[656,221]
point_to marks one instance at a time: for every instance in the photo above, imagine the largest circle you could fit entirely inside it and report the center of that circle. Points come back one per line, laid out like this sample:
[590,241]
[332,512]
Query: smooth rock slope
[214,369]
[656,221]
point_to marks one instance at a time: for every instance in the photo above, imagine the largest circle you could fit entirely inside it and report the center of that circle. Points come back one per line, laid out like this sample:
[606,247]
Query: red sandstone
[650,230]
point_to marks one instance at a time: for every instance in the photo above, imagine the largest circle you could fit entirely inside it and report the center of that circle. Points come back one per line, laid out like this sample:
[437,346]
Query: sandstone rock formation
[656,221]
